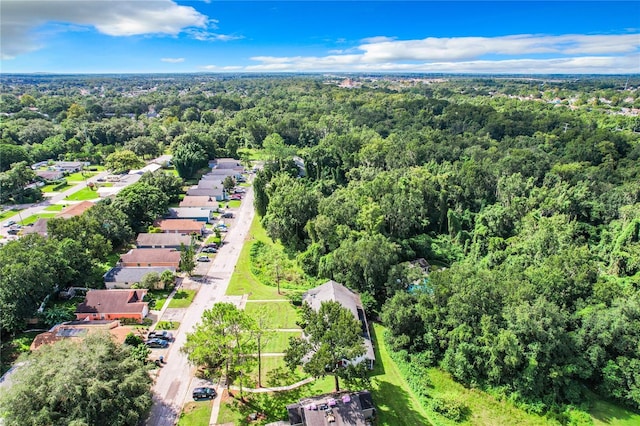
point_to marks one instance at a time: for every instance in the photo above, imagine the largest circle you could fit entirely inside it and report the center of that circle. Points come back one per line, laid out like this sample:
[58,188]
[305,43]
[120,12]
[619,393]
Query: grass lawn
[54,207]
[233,204]
[35,217]
[49,188]
[196,413]
[168,325]
[83,194]
[269,363]
[8,214]
[277,342]
[395,403]
[182,299]
[80,176]
[279,314]
[605,413]
[161,297]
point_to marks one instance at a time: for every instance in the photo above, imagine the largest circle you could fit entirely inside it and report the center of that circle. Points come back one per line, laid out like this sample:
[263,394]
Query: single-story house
[199,201]
[112,305]
[169,241]
[195,213]
[150,257]
[423,264]
[50,175]
[216,193]
[125,277]
[181,226]
[39,227]
[69,166]
[225,163]
[343,408]
[221,174]
[148,168]
[333,291]
[77,330]
[75,209]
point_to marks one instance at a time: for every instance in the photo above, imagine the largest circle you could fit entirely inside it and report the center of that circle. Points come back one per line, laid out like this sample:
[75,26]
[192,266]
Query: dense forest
[522,195]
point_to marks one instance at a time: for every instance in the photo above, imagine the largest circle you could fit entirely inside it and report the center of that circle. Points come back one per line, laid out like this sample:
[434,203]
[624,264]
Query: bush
[133,340]
[452,409]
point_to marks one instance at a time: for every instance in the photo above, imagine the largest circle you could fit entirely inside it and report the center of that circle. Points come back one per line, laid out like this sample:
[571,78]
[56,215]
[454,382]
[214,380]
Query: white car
[9,223]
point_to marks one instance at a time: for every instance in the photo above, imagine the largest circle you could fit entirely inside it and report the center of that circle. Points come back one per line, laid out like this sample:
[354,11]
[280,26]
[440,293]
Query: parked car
[227,215]
[204,393]
[13,231]
[235,197]
[9,223]
[157,343]
[209,250]
[162,335]
[211,245]
[239,191]
[203,259]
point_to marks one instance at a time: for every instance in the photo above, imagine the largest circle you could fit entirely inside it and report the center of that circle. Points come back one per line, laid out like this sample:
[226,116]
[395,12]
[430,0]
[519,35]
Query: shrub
[450,408]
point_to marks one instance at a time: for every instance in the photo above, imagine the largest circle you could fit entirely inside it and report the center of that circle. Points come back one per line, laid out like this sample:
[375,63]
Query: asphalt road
[174,383]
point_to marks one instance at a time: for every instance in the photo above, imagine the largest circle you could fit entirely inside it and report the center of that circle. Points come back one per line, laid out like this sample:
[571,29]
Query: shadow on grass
[393,405]
[608,412]
[181,295]
[378,367]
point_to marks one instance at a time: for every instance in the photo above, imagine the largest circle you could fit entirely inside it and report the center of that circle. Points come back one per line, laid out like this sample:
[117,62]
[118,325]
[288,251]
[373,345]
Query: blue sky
[120,36]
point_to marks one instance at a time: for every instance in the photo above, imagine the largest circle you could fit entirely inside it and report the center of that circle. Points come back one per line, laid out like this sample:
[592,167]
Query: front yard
[182,298]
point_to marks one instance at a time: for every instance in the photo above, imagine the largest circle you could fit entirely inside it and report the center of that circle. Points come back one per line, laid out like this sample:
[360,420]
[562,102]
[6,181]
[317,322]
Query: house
[152,167]
[69,166]
[423,264]
[150,257]
[172,241]
[216,192]
[225,163]
[125,277]
[333,291]
[78,330]
[112,305]
[49,175]
[221,174]
[39,227]
[343,408]
[199,201]
[75,209]
[195,213]
[181,226]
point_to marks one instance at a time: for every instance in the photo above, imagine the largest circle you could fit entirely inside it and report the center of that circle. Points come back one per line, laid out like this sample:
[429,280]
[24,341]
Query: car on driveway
[203,259]
[209,250]
[204,393]
[236,197]
[9,223]
[157,343]
[227,215]
[161,334]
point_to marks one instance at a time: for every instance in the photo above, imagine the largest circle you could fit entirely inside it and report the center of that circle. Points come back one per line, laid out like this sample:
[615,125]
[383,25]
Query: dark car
[211,245]
[227,215]
[209,250]
[161,334]
[157,343]
[204,393]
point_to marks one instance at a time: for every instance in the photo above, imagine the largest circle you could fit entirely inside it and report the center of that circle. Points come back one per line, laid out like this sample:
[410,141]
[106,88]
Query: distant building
[70,166]
[78,330]
[50,175]
[125,277]
[199,201]
[160,240]
[75,209]
[181,226]
[149,257]
[195,213]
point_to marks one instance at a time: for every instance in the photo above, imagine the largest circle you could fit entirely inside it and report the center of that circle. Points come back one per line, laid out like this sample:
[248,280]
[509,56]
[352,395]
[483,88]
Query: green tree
[188,158]
[144,146]
[168,279]
[10,154]
[331,337]
[142,203]
[168,183]
[187,262]
[150,281]
[228,184]
[223,338]
[122,161]
[91,382]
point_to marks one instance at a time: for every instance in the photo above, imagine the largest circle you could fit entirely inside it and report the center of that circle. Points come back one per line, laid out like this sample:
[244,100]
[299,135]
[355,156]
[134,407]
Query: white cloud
[598,54]
[172,60]
[21,18]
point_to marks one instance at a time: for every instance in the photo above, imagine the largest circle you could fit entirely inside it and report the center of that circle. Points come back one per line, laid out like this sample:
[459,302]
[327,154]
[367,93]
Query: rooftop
[188,225]
[345,408]
[198,201]
[151,255]
[163,240]
[112,301]
[75,209]
[123,274]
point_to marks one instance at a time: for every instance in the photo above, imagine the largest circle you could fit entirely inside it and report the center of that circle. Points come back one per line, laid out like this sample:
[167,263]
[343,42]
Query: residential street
[174,382]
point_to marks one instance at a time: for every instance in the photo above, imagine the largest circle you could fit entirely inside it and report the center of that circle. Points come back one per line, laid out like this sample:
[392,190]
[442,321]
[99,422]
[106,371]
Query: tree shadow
[393,406]
[161,413]
[378,366]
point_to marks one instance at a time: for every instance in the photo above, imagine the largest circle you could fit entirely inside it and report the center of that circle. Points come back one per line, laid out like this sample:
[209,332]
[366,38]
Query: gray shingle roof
[161,239]
[120,274]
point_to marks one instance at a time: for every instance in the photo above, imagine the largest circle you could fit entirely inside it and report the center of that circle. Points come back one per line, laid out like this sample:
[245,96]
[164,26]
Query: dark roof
[161,239]
[295,413]
[120,274]
[211,192]
[366,401]
[347,409]
[112,302]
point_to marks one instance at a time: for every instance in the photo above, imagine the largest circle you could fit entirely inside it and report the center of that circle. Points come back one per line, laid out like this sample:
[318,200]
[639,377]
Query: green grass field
[395,402]
[277,342]
[604,413]
[80,176]
[7,214]
[49,188]
[279,314]
[161,297]
[54,207]
[196,413]
[34,218]
[83,194]
[182,299]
